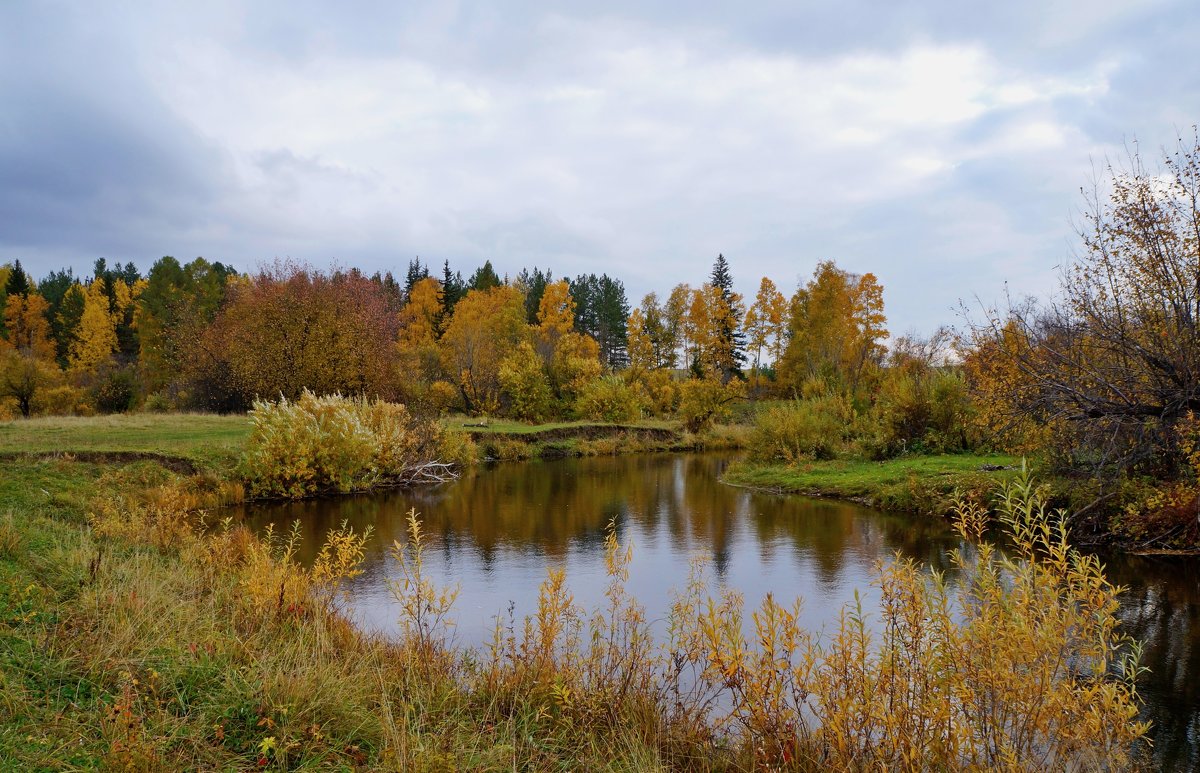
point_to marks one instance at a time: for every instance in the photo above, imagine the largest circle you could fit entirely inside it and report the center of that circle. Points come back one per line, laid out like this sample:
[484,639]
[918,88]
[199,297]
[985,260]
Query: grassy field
[917,483]
[204,438]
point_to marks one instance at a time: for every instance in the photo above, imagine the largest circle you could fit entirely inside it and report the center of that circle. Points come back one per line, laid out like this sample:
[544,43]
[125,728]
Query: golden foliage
[486,325]
[836,328]
[27,327]
[576,364]
[333,443]
[705,400]
[523,379]
[95,339]
[556,317]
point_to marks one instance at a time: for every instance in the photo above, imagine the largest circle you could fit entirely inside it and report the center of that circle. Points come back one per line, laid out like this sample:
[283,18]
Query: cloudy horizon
[939,146]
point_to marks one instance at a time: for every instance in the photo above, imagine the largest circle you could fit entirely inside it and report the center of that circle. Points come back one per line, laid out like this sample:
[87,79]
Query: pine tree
[730,341]
[534,285]
[484,278]
[453,289]
[416,272]
[18,282]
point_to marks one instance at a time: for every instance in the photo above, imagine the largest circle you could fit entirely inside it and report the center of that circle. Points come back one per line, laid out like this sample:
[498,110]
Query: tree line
[1103,380]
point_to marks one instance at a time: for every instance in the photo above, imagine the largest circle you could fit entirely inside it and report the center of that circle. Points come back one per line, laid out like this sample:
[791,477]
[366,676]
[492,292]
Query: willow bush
[1016,665]
[313,445]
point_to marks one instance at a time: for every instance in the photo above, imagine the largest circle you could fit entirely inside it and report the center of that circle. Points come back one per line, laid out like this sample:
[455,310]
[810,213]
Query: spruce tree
[484,278]
[731,341]
[453,289]
[18,282]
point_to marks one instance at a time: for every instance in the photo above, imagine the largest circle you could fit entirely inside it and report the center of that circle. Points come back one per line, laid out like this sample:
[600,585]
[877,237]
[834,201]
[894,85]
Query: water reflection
[1162,610]
[496,531]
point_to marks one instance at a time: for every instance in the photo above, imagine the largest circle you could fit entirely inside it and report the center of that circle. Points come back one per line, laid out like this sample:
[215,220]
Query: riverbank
[503,440]
[133,635]
[915,484]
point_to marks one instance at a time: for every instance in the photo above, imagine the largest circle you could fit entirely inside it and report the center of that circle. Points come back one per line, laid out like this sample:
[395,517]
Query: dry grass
[148,643]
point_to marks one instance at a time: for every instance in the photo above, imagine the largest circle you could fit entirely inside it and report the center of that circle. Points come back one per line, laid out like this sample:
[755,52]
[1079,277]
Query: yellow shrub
[333,443]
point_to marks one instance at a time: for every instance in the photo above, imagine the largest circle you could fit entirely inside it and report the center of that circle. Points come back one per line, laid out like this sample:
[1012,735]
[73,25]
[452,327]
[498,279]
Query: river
[495,532]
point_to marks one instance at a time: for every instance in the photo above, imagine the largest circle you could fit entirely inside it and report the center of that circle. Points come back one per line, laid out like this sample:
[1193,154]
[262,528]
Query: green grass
[511,427]
[204,438]
[912,483]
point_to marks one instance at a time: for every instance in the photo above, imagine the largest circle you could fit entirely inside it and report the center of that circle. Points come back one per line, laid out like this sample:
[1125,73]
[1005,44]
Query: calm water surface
[495,532]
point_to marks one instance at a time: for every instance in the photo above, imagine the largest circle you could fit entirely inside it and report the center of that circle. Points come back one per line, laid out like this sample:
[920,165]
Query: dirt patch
[176,464]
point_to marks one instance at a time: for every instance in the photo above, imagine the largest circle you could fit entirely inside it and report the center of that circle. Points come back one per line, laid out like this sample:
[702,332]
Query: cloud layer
[938,145]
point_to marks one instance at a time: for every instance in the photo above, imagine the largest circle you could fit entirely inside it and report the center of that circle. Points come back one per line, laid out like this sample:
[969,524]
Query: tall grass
[204,648]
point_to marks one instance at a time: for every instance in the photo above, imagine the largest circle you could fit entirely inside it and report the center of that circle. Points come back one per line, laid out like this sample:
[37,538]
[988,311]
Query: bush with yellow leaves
[311,445]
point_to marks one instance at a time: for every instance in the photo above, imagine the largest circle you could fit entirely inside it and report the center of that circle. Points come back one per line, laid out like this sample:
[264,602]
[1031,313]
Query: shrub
[313,444]
[444,397]
[1019,666]
[157,402]
[808,429]
[611,399]
[523,381]
[705,400]
[115,390]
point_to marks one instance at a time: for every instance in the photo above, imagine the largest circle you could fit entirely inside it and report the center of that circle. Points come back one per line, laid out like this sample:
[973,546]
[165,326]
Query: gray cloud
[939,144]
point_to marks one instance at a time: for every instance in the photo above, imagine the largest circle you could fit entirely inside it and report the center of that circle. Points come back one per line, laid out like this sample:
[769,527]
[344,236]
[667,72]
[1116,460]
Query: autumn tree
[836,329]
[23,375]
[766,323]
[95,339]
[640,344]
[699,330]
[576,364]
[524,383]
[1113,368]
[173,309]
[289,328]
[486,326]
[28,328]
[675,312]
[662,330]
[420,327]
[555,317]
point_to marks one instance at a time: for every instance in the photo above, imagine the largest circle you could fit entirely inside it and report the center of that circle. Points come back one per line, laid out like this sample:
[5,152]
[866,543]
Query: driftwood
[428,472]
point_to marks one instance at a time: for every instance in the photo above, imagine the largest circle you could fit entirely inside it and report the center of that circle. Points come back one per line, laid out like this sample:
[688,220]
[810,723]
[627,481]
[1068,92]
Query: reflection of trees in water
[1162,610]
[551,507]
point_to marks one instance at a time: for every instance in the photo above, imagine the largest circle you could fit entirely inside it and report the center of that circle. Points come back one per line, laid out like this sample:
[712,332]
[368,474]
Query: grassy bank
[206,439]
[924,484]
[505,440]
[131,637]
[131,640]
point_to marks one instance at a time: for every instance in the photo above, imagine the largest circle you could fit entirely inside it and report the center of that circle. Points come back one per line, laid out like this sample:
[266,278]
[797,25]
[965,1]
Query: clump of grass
[10,537]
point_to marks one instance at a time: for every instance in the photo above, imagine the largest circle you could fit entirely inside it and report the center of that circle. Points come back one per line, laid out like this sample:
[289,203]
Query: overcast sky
[940,145]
